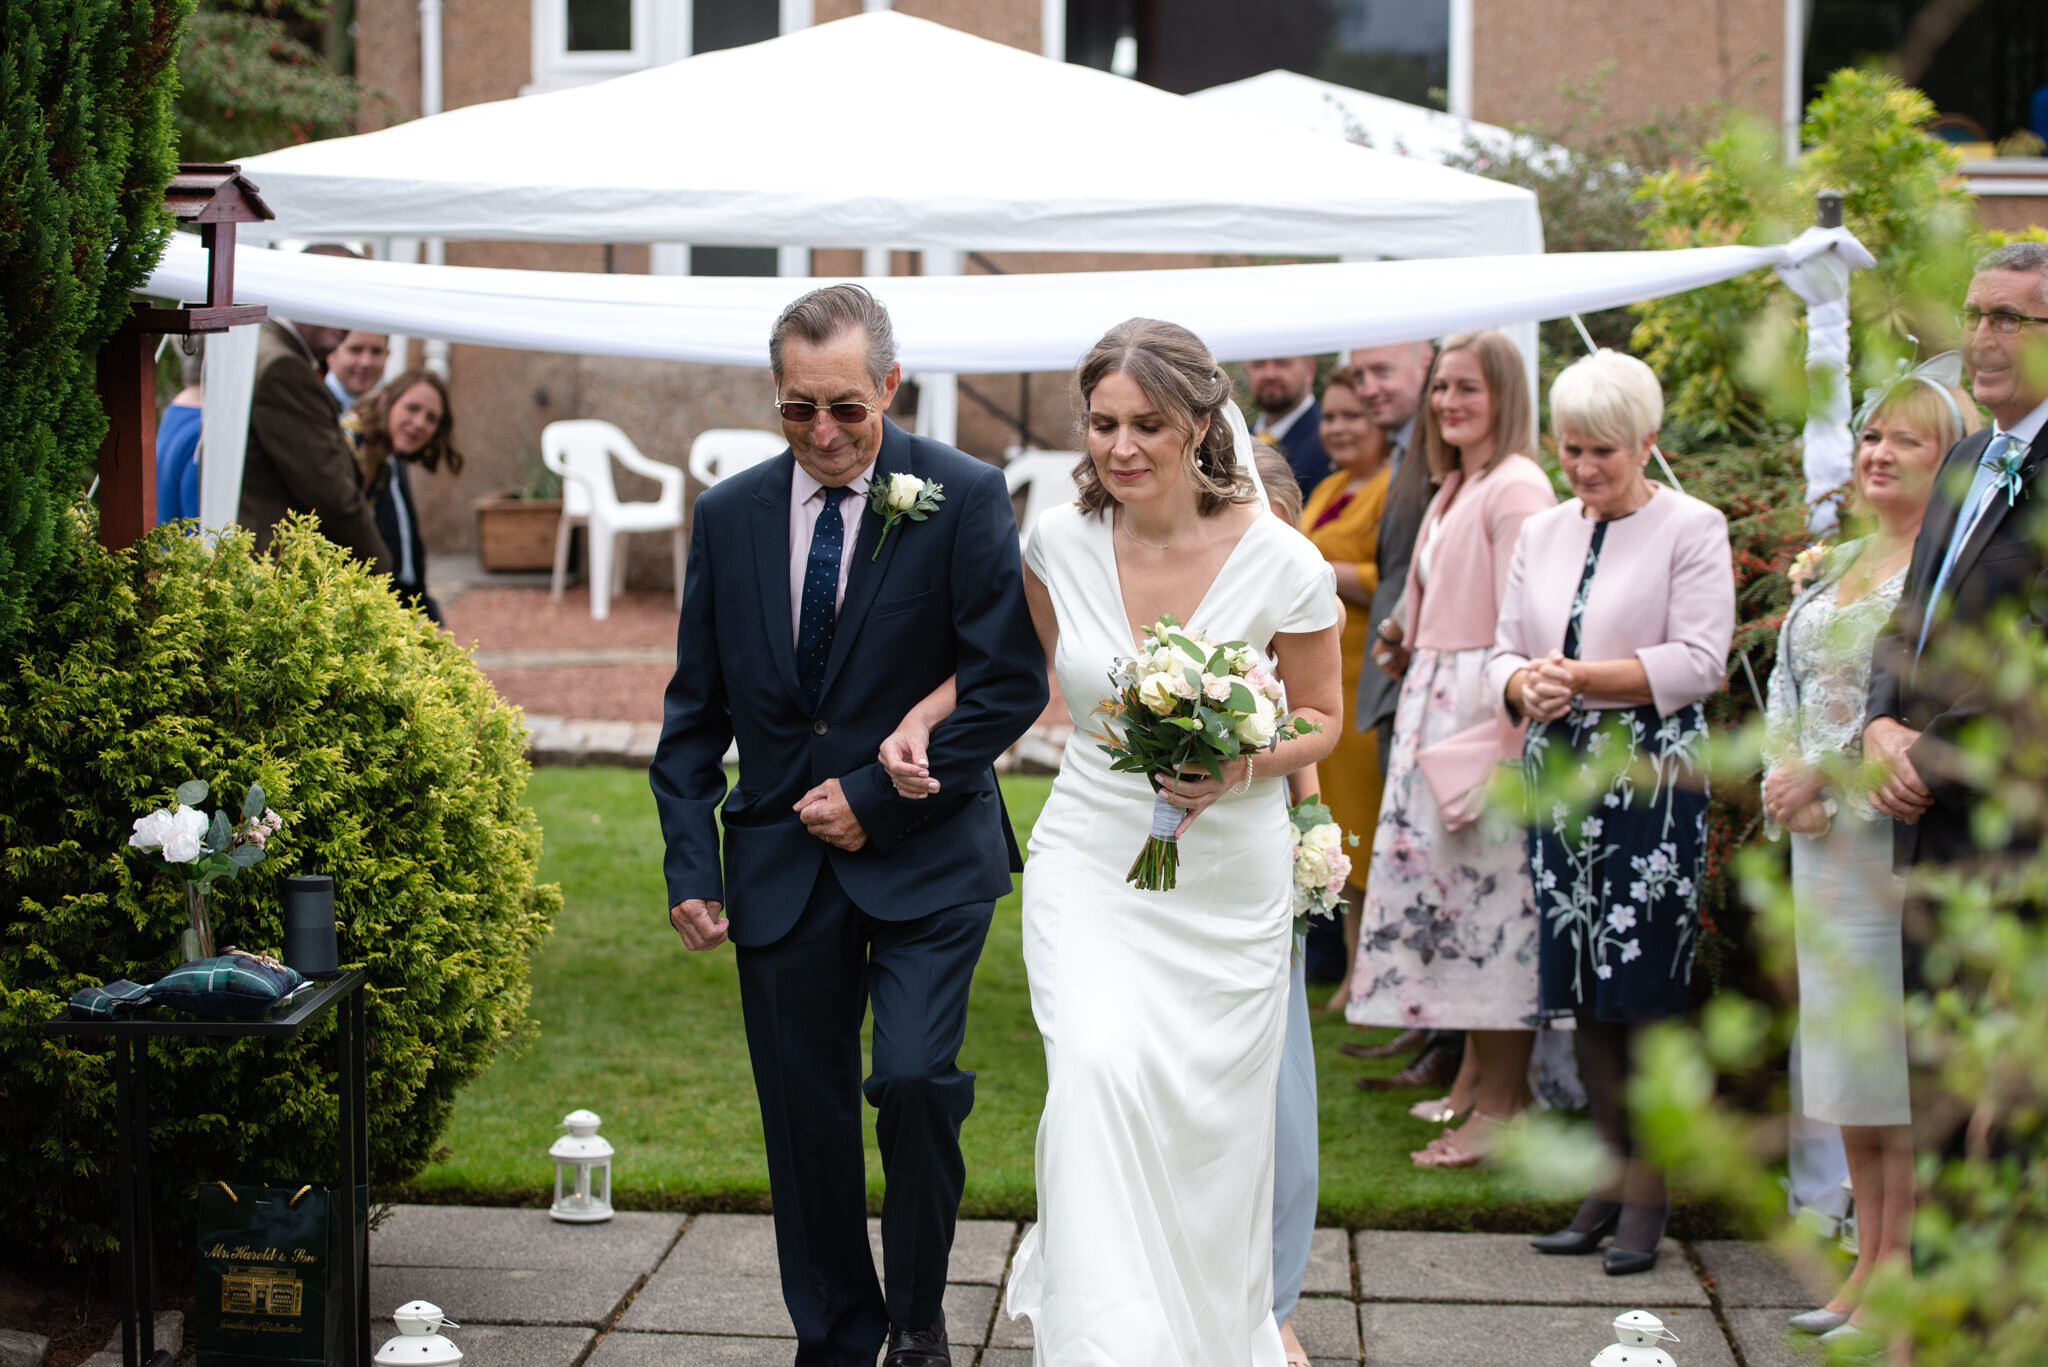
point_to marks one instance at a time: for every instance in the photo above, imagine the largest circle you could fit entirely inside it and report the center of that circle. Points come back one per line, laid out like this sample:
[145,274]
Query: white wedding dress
[1163,1013]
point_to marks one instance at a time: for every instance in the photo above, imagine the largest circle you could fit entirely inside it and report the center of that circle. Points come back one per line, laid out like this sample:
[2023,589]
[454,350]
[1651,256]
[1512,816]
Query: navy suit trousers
[803,997]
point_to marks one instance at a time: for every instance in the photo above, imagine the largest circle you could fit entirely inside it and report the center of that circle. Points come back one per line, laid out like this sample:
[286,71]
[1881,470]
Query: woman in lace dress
[1448,935]
[1846,903]
[1614,626]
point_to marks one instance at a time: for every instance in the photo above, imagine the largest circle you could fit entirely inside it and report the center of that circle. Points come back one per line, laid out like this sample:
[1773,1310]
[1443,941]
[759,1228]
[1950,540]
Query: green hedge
[85,153]
[397,770]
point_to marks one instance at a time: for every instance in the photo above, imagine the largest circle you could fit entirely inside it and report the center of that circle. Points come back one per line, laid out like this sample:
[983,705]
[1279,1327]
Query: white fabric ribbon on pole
[1816,268]
[229,379]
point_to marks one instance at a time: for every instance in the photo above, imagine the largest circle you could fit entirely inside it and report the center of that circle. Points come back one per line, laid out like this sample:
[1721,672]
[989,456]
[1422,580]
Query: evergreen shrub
[85,154]
[397,770]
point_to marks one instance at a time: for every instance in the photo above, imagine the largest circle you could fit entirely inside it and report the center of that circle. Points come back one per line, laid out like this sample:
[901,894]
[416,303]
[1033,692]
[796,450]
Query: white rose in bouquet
[1156,692]
[150,830]
[1324,838]
[1215,689]
[903,492]
[1311,870]
[1256,728]
[181,842]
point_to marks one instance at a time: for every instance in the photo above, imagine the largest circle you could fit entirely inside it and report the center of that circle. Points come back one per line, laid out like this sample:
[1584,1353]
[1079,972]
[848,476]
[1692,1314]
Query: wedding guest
[356,366]
[1846,903]
[177,441]
[406,423]
[297,459]
[1294,1108]
[1614,626]
[1342,518]
[1449,927]
[1283,389]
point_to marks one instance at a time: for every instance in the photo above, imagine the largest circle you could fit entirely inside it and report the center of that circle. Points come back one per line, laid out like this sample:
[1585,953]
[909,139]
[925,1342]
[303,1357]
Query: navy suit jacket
[1303,443]
[945,597]
[2000,564]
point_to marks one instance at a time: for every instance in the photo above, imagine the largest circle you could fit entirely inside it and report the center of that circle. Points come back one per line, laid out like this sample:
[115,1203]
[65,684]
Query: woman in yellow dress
[1342,518]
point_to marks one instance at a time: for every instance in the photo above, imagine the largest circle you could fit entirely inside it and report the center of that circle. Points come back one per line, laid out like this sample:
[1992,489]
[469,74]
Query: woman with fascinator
[1846,918]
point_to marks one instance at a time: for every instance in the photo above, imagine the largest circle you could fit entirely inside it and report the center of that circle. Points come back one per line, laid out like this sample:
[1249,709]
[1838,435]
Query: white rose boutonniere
[901,496]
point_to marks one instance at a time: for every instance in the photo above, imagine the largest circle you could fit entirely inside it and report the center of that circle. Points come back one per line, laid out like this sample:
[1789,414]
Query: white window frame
[555,66]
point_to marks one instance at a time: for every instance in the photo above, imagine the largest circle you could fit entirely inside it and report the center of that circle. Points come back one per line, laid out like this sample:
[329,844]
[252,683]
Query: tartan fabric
[230,984]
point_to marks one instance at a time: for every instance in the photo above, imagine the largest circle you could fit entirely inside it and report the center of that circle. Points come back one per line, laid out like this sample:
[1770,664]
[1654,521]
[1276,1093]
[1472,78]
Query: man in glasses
[807,634]
[1979,551]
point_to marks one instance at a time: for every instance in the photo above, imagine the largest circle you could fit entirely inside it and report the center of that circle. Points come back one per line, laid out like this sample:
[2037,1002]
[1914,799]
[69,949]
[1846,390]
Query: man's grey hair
[2018,256]
[823,314]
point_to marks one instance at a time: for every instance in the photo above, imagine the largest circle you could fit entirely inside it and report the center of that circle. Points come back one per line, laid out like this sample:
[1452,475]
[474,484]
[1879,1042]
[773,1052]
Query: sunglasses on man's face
[846,413]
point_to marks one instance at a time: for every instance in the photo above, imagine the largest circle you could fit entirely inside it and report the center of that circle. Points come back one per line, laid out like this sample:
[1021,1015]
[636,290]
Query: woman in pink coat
[1614,627]
[1448,934]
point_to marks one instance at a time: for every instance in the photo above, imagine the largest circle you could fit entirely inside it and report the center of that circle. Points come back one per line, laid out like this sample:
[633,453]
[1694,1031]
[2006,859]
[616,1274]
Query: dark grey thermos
[309,925]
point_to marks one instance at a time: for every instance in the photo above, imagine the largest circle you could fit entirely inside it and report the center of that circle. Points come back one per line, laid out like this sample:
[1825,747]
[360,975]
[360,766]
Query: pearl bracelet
[1250,765]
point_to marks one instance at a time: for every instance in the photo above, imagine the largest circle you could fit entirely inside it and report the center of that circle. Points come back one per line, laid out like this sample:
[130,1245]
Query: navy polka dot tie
[821,589]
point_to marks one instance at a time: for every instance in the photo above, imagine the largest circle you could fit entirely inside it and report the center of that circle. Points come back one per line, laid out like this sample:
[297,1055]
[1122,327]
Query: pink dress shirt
[806,502]
[1664,594]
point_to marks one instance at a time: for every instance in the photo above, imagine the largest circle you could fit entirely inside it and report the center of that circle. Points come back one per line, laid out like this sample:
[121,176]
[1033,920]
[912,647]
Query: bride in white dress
[1162,1012]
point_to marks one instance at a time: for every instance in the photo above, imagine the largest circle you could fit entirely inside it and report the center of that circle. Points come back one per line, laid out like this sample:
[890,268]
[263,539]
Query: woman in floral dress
[1448,934]
[1615,625]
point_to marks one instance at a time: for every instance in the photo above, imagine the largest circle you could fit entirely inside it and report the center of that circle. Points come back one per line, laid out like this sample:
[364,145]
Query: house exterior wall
[1644,58]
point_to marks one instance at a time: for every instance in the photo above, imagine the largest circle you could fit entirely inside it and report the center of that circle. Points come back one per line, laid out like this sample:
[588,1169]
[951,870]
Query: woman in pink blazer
[1448,934]
[1614,627]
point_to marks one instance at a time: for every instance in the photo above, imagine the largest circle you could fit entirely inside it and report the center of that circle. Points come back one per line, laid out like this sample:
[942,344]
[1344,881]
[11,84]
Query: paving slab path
[652,1290]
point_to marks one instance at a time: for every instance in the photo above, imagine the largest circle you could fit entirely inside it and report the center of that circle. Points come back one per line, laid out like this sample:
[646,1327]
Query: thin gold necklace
[1141,541]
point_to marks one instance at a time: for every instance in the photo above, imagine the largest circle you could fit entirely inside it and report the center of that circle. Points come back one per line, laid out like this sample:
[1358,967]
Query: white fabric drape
[229,377]
[1817,266]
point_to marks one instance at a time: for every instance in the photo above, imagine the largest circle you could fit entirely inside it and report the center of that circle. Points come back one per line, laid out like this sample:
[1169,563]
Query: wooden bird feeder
[216,197]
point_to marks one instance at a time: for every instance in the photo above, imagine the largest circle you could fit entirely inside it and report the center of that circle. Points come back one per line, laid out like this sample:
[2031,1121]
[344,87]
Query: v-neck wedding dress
[1163,1013]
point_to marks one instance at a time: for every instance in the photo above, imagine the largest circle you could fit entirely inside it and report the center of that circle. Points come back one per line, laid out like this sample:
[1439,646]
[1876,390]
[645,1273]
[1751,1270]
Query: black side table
[135,1269]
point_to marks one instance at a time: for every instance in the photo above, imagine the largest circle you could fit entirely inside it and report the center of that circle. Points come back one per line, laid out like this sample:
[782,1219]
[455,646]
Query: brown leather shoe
[1399,1044]
[1434,1069]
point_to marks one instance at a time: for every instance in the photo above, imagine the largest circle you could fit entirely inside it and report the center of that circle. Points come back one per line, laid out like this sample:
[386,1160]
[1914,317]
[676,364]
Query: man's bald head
[1391,379]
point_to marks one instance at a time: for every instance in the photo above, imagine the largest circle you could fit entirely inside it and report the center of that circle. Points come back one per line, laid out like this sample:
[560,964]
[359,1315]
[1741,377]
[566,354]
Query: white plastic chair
[581,452]
[723,452]
[1047,479]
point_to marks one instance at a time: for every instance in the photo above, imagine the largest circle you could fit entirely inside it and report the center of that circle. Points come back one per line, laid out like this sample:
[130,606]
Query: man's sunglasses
[2000,321]
[846,413]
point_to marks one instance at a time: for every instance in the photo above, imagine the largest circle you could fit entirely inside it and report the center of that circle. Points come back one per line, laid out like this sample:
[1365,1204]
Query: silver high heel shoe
[1818,1321]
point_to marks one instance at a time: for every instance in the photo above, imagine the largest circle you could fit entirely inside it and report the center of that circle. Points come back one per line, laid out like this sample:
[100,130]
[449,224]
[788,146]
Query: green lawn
[648,1035]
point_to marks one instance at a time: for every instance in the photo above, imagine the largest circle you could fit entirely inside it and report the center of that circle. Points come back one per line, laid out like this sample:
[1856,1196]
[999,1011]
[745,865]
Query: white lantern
[1636,1334]
[419,1339]
[583,1171]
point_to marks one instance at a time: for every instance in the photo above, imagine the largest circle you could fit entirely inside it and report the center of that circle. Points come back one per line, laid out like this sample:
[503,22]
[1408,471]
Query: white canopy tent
[883,131]
[1373,120]
[960,324]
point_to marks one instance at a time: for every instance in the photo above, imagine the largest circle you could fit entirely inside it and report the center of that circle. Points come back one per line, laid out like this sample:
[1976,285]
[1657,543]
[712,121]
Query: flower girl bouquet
[1184,703]
[1321,868]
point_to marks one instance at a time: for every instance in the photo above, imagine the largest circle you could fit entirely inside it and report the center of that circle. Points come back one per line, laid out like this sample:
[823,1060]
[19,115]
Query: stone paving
[649,1290]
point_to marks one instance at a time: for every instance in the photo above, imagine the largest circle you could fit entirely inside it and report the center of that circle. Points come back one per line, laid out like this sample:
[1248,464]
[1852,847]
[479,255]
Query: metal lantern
[419,1339]
[1636,1334]
[583,1171]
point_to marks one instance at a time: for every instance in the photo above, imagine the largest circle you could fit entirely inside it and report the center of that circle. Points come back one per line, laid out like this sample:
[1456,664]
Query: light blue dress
[1294,1149]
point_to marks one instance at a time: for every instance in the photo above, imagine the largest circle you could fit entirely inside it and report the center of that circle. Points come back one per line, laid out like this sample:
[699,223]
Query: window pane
[1984,76]
[600,25]
[716,24]
[733,261]
[1397,48]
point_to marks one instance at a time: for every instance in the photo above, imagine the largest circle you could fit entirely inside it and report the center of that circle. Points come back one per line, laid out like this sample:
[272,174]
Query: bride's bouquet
[1321,868]
[1186,703]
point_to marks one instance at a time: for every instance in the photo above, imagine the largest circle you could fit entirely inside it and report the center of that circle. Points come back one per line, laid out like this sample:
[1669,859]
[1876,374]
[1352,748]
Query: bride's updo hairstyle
[1184,383]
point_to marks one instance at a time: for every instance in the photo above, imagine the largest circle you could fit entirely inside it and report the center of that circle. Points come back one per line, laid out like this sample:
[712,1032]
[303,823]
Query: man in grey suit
[297,459]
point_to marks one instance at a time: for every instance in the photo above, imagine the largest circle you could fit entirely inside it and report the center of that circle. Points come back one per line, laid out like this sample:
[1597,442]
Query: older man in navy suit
[807,635]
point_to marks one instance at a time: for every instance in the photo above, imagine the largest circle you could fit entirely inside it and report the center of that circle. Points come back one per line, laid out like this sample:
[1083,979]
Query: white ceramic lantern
[583,1171]
[419,1340]
[1636,1334]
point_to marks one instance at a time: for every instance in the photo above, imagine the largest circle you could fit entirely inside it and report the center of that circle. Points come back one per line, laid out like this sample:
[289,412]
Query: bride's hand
[903,758]
[1195,792]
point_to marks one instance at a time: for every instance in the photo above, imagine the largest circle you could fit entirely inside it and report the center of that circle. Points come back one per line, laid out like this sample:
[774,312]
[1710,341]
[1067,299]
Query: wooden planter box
[517,533]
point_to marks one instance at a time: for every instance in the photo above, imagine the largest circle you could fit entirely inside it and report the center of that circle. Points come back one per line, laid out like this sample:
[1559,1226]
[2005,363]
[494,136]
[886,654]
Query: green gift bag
[269,1290]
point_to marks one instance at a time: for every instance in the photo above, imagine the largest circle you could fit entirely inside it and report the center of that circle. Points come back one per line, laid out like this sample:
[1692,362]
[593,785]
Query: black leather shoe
[1623,1262]
[1577,1241]
[919,1347]
[1436,1068]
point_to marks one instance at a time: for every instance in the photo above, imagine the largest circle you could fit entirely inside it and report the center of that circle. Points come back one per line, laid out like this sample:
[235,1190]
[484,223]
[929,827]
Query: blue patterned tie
[821,589]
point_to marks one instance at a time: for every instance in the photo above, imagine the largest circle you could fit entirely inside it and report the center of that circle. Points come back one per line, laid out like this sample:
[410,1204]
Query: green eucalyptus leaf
[245,855]
[218,833]
[1242,701]
[253,802]
[192,792]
